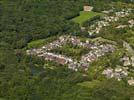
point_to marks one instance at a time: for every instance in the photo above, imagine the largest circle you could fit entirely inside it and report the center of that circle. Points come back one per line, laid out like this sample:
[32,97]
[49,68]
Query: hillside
[66,50]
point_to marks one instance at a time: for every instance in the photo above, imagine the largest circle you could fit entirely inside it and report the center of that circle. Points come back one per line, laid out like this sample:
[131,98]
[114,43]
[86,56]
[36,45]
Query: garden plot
[71,50]
[57,51]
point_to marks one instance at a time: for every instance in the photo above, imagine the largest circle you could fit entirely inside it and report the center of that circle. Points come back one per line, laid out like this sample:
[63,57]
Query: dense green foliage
[22,21]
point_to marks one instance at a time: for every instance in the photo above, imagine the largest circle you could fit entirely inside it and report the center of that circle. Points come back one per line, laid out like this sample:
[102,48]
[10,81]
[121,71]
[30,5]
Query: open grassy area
[41,42]
[2,99]
[84,16]
[90,84]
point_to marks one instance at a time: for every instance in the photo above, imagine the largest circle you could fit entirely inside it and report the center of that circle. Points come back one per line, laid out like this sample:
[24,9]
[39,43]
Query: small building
[131,81]
[132,60]
[83,29]
[131,22]
[126,61]
[88,8]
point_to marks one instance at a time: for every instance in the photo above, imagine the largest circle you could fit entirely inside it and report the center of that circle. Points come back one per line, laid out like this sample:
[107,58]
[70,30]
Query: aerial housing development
[66,49]
[95,51]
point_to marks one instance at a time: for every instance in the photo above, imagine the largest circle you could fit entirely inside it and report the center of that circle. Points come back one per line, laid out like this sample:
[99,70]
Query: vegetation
[90,84]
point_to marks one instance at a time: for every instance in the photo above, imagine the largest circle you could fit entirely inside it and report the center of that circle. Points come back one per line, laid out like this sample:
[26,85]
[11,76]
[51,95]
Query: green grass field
[90,84]
[40,42]
[2,99]
[84,16]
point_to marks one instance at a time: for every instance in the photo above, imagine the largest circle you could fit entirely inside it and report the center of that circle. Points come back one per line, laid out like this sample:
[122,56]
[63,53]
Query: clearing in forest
[84,16]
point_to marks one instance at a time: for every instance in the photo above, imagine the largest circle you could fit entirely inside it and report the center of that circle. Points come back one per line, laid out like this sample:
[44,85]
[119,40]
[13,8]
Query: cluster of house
[118,73]
[97,26]
[127,61]
[95,51]
[122,71]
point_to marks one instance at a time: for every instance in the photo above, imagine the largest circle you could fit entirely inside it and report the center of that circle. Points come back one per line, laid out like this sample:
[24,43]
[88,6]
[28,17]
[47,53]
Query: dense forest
[22,77]
[22,21]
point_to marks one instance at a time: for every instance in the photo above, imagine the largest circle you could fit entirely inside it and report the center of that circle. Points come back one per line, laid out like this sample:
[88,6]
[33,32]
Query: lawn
[90,84]
[2,99]
[40,42]
[84,16]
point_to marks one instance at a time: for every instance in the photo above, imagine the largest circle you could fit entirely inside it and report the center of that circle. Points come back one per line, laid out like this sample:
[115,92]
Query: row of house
[61,59]
[67,39]
[95,51]
[130,24]
[97,26]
